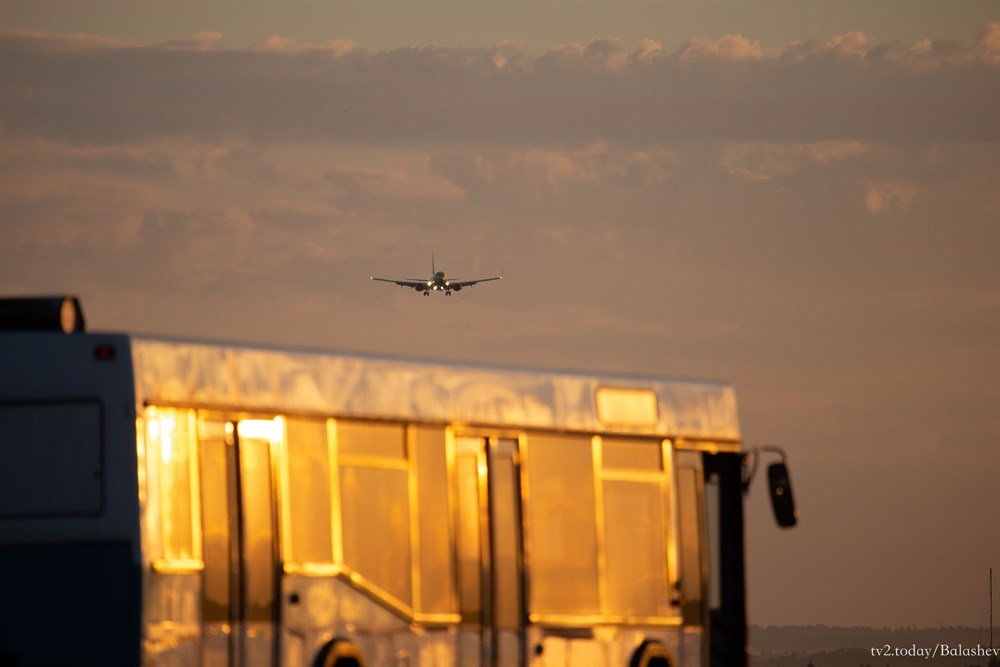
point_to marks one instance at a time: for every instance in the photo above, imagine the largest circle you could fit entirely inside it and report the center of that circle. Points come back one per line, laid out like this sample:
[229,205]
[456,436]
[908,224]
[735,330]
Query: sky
[801,199]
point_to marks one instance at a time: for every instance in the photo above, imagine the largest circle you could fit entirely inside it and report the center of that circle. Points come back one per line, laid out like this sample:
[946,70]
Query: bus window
[215,495]
[505,538]
[361,440]
[437,583]
[257,532]
[173,486]
[43,475]
[375,512]
[635,549]
[692,517]
[469,529]
[634,493]
[621,454]
[713,539]
[307,511]
[562,536]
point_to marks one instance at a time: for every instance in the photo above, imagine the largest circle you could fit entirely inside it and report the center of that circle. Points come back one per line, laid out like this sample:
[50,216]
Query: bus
[179,503]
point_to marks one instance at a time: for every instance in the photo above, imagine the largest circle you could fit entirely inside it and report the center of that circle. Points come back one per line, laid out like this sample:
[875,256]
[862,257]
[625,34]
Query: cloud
[52,43]
[855,45]
[410,182]
[93,90]
[886,196]
[546,171]
[203,41]
[988,45]
[605,54]
[764,161]
[601,163]
[929,55]
[277,44]
[727,47]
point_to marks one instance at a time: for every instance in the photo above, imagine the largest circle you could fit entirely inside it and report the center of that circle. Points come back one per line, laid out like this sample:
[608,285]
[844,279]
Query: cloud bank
[91,89]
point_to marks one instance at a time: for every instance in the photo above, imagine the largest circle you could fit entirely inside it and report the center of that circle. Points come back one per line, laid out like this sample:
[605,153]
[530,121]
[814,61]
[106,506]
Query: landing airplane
[438,282]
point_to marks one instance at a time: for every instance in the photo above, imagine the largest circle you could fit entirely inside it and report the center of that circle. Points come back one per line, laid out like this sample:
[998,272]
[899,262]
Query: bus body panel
[261,379]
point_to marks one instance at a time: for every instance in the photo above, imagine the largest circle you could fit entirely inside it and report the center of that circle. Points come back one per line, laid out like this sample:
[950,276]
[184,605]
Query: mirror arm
[754,455]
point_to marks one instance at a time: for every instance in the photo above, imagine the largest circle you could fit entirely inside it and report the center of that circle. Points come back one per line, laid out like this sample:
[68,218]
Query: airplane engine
[419,288]
[457,288]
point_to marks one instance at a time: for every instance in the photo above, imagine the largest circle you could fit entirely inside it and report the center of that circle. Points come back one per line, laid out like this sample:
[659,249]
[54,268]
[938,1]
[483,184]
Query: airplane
[438,282]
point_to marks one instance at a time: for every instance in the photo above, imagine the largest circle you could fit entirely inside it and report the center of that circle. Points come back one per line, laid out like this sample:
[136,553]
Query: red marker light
[104,352]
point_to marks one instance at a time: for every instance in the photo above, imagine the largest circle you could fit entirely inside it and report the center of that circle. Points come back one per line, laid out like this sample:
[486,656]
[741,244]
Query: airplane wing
[470,283]
[412,282]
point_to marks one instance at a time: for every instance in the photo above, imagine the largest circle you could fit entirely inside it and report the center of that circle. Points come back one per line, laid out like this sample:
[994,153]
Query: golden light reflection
[172,499]
[165,426]
[261,429]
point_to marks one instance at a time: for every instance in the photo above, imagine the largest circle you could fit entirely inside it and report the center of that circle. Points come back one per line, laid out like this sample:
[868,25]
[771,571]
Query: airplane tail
[433,270]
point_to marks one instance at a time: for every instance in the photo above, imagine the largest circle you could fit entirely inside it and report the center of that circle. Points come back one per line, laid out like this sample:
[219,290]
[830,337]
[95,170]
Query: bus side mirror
[781,495]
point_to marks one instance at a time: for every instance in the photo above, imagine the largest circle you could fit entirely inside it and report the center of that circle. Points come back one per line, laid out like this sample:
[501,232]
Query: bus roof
[259,378]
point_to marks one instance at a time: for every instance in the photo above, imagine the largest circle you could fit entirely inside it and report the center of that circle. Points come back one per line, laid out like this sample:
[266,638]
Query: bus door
[491,592]
[239,584]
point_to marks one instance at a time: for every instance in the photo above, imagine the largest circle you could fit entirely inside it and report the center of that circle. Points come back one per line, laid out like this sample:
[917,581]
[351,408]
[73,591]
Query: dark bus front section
[70,575]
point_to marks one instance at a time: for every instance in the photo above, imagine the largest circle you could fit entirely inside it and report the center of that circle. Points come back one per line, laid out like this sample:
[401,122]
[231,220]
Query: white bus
[178,503]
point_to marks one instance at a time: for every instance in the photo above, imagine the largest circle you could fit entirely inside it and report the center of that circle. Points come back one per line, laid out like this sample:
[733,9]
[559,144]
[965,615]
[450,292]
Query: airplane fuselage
[439,282]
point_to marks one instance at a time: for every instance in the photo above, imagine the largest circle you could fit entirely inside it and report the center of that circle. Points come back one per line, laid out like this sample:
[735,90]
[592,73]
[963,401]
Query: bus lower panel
[316,609]
[72,605]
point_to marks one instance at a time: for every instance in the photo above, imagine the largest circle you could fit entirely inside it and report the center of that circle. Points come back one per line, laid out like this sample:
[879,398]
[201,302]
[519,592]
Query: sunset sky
[802,199]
